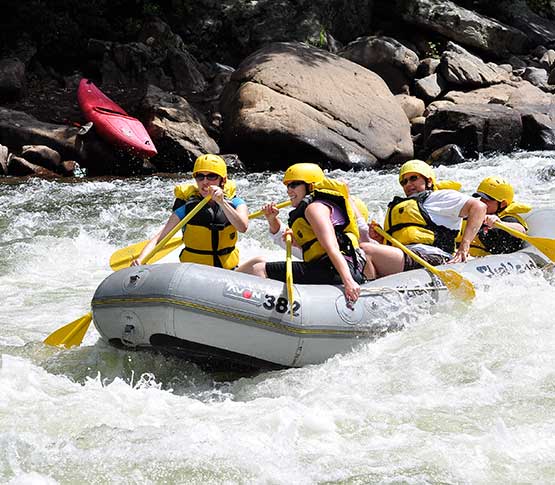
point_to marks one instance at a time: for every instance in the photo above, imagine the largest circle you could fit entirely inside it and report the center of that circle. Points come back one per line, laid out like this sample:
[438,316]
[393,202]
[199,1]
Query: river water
[459,396]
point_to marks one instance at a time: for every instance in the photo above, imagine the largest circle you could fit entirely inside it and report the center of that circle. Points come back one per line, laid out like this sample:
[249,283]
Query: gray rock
[20,167]
[548,59]
[4,153]
[427,67]
[387,57]
[536,76]
[463,26]
[476,128]
[517,62]
[430,87]
[178,130]
[518,14]
[460,67]
[42,155]
[411,105]
[12,78]
[291,102]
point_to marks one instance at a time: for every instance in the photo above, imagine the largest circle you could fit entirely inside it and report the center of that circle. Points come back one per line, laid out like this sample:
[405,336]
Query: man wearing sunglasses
[427,220]
[498,195]
[210,237]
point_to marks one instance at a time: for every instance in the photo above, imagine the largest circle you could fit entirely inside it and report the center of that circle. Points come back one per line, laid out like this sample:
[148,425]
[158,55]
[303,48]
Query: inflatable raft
[220,319]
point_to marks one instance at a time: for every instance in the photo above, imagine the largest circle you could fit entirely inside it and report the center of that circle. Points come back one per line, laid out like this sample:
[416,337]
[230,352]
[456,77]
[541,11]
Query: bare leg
[382,260]
[255,266]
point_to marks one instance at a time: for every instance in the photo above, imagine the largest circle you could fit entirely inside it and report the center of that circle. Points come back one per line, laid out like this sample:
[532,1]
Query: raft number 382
[280,304]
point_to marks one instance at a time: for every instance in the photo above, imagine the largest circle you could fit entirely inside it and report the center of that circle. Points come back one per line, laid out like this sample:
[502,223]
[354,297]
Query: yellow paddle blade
[544,244]
[70,335]
[289,273]
[456,284]
[453,281]
[122,257]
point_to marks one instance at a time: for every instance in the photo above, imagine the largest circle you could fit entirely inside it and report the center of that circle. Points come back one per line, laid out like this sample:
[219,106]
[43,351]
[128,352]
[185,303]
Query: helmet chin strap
[500,206]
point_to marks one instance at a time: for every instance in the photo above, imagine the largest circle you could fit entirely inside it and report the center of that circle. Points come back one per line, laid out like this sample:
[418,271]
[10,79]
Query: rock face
[291,103]
[178,130]
[287,102]
[391,60]
[461,68]
[464,26]
[18,129]
[477,128]
[517,13]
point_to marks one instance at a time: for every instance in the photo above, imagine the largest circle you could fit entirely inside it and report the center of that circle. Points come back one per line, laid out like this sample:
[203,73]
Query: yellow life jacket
[347,234]
[209,237]
[408,222]
[481,246]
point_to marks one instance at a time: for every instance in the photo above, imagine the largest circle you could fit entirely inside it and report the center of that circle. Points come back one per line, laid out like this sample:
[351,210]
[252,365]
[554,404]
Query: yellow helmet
[419,167]
[495,188]
[309,173]
[210,163]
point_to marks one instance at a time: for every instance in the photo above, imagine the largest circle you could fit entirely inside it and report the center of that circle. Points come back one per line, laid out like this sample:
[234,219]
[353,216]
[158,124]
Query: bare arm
[318,215]
[239,217]
[491,219]
[170,224]
[271,214]
[474,211]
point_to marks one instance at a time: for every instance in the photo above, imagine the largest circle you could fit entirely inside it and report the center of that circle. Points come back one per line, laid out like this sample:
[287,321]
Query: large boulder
[477,128]
[177,129]
[159,58]
[518,14]
[538,116]
[18,129]
[536,108]
[461,68]
[463,26]
[387,57]
[290,102]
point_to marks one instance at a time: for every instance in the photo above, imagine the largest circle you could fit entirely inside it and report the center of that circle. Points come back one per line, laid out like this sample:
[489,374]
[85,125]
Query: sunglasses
[199,177]
[294,185]
[412,178]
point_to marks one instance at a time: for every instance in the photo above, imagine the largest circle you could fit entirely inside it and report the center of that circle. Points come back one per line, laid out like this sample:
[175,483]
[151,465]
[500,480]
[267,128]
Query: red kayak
[112,123]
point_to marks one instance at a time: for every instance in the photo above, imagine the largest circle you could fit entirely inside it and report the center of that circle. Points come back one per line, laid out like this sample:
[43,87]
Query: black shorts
[433,259]
[321,272]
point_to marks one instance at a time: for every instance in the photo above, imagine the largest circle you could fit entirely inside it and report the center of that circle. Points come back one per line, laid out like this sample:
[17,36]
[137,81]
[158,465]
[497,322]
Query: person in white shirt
[427,220]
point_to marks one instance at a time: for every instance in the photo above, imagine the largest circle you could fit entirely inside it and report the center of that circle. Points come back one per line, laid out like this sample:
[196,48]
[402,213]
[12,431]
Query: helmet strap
[500,206]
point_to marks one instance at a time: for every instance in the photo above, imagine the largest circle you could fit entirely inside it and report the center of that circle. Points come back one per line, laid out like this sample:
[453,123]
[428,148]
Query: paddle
[545,245]
[455,282]
[289,272]
[122,258]
[72,334]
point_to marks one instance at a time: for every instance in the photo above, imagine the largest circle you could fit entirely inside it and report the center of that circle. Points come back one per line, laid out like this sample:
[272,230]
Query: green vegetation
[433,50]
[321,41]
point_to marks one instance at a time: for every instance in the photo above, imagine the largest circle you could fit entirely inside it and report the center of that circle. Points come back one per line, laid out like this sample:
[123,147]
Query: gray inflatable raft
[223,320]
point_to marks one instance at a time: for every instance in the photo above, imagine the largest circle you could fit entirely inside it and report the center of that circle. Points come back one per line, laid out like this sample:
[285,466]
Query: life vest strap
[221,252]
